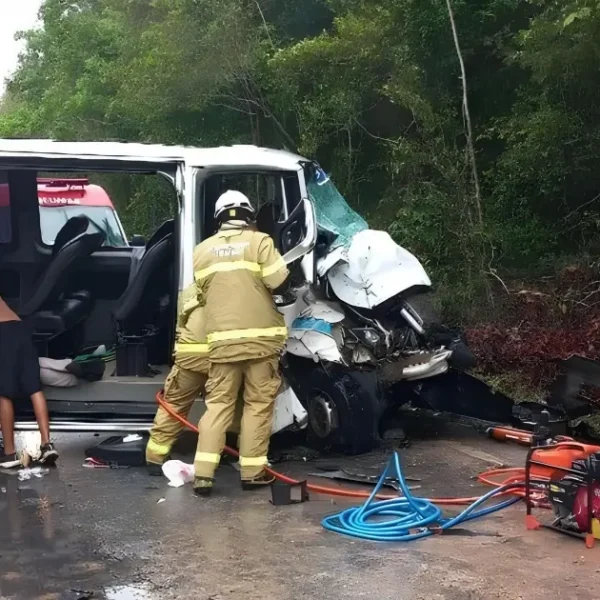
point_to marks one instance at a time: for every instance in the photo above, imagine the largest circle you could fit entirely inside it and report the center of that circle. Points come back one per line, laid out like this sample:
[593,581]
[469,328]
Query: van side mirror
[138,241]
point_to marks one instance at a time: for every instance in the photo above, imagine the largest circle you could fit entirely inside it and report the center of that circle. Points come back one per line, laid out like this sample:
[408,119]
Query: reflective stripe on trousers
[158,449]
[184,348]
[243,334]
[207,457]
[250,461]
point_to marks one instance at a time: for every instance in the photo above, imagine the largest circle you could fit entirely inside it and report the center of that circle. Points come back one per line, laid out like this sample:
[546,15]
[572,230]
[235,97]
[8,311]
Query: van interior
[80,295]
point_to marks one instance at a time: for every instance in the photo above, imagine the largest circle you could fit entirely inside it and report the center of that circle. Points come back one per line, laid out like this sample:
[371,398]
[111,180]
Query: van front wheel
[344,409]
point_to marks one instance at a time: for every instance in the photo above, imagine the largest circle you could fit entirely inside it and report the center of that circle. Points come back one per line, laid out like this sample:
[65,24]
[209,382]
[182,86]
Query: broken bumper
[420,366]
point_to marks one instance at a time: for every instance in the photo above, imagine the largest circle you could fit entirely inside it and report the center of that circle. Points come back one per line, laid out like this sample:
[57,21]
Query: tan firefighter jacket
[235,271]
[191,347]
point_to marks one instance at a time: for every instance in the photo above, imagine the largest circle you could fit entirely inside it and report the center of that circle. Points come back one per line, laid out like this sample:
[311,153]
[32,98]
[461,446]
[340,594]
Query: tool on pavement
[569,473]
[510,434]
[281,493]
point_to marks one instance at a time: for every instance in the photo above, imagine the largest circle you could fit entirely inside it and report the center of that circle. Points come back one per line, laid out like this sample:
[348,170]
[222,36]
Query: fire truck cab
[61,199]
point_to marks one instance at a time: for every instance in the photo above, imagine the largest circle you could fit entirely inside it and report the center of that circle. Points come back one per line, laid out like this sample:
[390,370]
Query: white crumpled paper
[38,472]
[178,473]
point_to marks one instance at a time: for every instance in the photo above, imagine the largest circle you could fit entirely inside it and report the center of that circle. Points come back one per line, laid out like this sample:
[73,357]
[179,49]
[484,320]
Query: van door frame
[187,188]
[196,215]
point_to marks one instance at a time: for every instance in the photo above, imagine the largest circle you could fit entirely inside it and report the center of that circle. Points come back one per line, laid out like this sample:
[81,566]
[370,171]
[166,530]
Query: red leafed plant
[541,325]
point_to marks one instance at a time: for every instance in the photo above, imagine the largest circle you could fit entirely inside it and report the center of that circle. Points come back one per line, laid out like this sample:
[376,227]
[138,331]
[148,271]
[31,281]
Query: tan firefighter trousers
[261,381]
[182,387]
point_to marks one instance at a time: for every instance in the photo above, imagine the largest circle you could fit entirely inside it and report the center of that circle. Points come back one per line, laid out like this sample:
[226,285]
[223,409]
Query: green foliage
[370,88]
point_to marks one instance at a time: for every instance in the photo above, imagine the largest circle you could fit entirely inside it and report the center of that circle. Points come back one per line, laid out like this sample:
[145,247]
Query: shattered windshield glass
[332,210]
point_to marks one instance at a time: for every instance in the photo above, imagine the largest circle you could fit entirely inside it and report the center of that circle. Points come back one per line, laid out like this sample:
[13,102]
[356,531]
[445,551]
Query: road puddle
[127,592]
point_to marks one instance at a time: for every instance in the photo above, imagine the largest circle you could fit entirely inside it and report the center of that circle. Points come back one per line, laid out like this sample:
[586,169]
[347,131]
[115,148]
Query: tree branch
[234,108]
[580,207]
[275,120]
[262,16]
[375,137]
[467,115]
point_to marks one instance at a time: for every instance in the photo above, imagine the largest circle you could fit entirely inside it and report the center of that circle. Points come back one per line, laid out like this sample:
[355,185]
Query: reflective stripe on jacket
[191,346]
[236,270]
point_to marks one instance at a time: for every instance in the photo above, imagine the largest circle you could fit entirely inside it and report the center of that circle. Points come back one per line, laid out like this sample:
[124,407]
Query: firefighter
[237,271]
[185,382]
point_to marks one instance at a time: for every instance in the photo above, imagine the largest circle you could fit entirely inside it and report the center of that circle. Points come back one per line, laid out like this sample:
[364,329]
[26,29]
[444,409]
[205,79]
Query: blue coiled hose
[407,513]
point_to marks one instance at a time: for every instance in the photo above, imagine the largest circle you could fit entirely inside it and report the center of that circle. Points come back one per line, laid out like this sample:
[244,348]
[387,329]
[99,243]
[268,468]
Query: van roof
[242,155]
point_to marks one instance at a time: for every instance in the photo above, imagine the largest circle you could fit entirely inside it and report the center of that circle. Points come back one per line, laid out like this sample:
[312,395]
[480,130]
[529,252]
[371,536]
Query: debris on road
[343,475]
[298,453]
[38,472]
[96,463]
[124,451]
[178,473]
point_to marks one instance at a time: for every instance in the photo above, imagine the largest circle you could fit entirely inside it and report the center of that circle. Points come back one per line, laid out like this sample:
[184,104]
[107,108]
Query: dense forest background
[373,90]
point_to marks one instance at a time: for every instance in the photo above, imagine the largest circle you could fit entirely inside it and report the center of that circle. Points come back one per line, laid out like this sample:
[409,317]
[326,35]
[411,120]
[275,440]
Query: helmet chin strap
[236,215]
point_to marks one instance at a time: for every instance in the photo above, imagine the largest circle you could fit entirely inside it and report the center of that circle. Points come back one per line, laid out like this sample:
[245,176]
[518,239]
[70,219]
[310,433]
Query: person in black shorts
[19,379]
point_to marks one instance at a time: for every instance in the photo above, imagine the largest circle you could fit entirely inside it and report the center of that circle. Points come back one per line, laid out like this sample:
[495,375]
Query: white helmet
[231,200]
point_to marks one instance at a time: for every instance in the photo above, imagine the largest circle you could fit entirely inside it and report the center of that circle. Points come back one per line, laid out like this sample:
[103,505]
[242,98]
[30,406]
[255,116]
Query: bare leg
[7,420]
[40,408]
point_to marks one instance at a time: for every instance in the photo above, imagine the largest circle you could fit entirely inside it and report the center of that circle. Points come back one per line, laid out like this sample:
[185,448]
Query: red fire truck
[61,199]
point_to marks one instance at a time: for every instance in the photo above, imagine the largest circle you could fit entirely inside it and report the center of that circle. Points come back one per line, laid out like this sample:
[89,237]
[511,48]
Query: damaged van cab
[358,313]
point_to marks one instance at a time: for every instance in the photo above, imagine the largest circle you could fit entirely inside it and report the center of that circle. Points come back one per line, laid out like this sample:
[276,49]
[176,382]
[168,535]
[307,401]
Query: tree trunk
[467,116]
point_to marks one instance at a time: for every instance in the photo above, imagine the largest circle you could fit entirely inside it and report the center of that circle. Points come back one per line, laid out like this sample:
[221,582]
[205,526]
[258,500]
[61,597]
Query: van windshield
[332,211]
[53,218]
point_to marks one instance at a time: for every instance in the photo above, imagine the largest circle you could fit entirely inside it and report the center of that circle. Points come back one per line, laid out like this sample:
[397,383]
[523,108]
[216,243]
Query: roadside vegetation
[509,226]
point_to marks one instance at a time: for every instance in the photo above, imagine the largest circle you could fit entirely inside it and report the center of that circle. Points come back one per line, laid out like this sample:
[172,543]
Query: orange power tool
[510,434]
[541,434]
[551,461]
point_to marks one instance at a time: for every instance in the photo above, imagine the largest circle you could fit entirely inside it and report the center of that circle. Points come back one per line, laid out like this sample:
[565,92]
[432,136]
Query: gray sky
[15,15]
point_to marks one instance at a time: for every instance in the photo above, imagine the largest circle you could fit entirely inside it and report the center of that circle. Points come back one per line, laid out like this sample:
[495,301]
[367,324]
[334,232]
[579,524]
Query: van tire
[352,401]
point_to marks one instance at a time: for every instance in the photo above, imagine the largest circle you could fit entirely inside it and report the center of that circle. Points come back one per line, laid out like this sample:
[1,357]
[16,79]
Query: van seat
[53,309]
[62,316]
[140,301]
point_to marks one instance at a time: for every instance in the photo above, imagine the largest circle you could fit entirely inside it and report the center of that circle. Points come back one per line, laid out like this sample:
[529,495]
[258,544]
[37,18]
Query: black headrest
[85,243]
[74,227]
[167,228]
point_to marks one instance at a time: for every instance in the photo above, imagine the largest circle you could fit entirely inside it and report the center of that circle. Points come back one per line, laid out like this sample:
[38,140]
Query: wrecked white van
[359,316]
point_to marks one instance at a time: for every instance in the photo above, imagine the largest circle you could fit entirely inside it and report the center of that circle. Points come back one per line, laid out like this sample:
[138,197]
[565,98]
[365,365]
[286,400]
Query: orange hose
[517,475]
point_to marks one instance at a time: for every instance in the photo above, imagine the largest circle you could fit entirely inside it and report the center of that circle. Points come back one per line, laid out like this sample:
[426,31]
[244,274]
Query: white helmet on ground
[232,200]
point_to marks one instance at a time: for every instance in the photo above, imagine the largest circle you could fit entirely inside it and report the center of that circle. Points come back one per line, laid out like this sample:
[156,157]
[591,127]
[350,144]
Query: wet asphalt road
[102,534]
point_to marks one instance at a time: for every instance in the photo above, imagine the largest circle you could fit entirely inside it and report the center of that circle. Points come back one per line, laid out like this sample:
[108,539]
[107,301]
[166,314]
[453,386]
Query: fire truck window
[5,216]
[64,196]
[53,218]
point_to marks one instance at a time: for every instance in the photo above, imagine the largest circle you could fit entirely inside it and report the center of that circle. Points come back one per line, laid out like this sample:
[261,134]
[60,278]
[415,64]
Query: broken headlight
[369,337]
